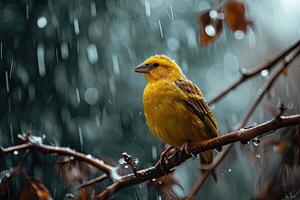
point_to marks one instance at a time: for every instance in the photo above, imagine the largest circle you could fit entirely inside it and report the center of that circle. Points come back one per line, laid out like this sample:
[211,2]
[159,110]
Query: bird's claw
[184,148]
[206,167]
[163,161]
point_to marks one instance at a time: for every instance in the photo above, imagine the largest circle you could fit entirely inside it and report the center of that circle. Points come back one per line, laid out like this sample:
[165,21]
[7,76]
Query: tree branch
[287,60]
[60,151]
[254,71]
[242,135]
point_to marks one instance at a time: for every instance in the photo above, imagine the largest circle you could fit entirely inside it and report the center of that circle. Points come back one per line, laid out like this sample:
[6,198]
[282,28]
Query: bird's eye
[155,65]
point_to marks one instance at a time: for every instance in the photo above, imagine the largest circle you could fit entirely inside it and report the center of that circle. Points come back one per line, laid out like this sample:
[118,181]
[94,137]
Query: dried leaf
[71,170]
[285,71]
[235,16]
[35,190]
[211,26]
[166,185]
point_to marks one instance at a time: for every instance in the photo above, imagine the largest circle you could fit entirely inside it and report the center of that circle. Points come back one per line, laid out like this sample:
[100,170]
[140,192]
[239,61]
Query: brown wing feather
[197,104]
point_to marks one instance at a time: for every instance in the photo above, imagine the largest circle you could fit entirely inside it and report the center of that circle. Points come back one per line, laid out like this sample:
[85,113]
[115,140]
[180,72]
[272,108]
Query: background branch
[254,71]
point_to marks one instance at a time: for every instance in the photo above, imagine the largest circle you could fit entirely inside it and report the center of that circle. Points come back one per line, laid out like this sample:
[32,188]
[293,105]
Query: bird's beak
[142,68]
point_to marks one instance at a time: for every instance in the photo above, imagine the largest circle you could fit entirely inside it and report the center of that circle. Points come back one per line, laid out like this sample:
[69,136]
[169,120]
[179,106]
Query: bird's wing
[196,103]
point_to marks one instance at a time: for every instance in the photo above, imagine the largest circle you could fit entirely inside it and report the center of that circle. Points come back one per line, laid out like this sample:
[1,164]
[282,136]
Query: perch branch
[242,135]
[287,60]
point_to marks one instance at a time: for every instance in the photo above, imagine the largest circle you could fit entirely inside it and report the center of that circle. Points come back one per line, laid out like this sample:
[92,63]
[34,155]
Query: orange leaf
[35,190]
[285,71]
[235,16]
[211,26]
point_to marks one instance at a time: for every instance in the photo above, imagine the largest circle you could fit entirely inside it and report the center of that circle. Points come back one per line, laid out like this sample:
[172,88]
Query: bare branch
[60,151]
[92,182]
[254,71]
[241,135]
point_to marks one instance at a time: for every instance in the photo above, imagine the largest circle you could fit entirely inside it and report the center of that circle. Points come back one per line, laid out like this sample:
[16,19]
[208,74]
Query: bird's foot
[184,148]
[206,167]
[163,159]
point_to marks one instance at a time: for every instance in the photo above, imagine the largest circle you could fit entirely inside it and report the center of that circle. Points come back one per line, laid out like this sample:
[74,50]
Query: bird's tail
[206,159]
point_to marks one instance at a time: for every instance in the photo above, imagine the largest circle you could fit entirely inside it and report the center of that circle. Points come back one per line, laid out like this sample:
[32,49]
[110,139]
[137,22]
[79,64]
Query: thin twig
[92,182]
[60,151]
[241,135]
[254,71]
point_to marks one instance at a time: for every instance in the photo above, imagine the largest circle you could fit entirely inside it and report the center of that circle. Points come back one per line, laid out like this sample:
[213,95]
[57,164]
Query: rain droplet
[15,153]
[6,80]
[64,50]
[115,64]
[239,34]
[173,44]
[255,143]
[76,26]
[160,29]
[41,60]
[80,138]
[93,9]
[290,106]
[213,14]
[89,156]
[210,30]
[91,96]
[1,51]
[172,14]
[147,8]
[42,22]
[77,95]
[11,133]
[92,53]
[27,11]
[122,161]
[264,73]
[229,170]
[154,152]
[11,68]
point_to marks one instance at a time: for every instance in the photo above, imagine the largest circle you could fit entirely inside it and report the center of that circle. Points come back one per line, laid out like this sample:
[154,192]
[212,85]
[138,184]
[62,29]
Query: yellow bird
[175,109]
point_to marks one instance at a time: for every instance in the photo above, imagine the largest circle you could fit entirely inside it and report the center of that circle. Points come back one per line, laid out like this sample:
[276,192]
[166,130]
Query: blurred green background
[66,74]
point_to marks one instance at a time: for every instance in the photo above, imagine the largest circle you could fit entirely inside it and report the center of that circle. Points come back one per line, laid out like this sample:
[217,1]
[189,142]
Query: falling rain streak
[27,11]
[80,138]
[115,64]
[93,9]
[147,8]
[160,29]
[77,95]
[41,60]
[11,69]
[76,26]
[7,82]
[11,133]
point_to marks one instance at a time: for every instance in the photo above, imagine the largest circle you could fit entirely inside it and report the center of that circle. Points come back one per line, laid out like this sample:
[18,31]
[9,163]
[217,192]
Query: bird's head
[159,67]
